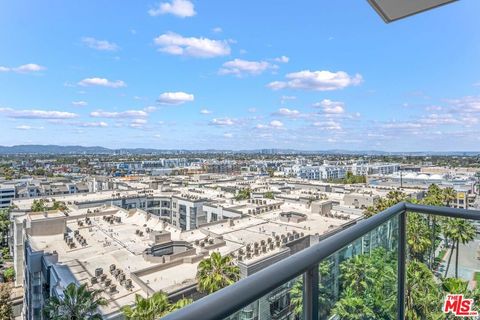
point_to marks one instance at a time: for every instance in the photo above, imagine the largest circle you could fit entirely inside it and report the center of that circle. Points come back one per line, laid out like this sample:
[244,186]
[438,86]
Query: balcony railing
[386,229]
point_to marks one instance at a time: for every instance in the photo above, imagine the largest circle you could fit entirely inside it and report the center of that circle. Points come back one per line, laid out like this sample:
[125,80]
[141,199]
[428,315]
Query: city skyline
[190,75]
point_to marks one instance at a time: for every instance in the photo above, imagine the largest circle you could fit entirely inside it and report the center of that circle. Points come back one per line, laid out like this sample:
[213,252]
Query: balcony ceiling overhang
[392,10]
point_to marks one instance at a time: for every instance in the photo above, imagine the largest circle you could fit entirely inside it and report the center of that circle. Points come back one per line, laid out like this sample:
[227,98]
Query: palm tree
[77,303]
[153,307]
[455,285]
[418,238]
[447,230]
[358,273]
[449,194]
[179,304]
[392,198]
[352,307]
[38,205]
[463,231]
[296,297]
[422,294]
[216,272]
[435,197]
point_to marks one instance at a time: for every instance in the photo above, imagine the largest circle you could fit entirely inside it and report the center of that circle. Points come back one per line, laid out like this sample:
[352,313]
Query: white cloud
[99,124]
[179,8]
[291,113]
[150,109]
[175,98]
[222,122]
[276,124]
[252,110]
[79,103]
[37,114]
[138,123]
[283,99]
[228,135]
[101,45]
[436,119]
[205,111]
[26,68]
[217,30]
[331,107]
[317,81]
[328,125]
[402,125]
[27,127]
[176,44]
[469,104]
[102,82]
[122,114]
[240,67]
[282,59]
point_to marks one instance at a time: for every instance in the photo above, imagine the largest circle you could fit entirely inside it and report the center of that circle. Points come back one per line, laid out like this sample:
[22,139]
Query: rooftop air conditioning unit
[98,272]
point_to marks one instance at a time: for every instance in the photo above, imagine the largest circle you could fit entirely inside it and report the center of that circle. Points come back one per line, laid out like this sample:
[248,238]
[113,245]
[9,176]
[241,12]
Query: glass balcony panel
[446,252]
[285,302]
[362,278]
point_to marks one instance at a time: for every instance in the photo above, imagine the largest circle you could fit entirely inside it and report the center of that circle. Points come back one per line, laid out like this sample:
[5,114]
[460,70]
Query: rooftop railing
[386,229]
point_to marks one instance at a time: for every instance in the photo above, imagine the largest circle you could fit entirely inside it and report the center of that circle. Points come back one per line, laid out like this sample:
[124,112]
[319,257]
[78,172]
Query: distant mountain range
[78,150]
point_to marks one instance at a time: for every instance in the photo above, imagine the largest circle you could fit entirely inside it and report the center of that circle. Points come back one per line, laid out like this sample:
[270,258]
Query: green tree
[243,194]
[296,297]
[179,304]
[271,172]
[153,307]
[422,295]
[269,195]
[59,205]
[38,205]
[370,278]
[455,285]
[77,303]
[9,274]
[449,195]
[418,236]
[325,293]
[216,272]
[6,311]
[4,225]
[392,198]
[462,231]
[434,197]
[353,307]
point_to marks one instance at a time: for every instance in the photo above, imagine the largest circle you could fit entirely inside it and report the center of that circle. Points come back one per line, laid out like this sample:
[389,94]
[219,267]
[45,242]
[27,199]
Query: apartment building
[7,194]
[324,172]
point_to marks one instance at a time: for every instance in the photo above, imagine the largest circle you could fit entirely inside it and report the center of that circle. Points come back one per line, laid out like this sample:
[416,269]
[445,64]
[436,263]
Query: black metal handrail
[229,300]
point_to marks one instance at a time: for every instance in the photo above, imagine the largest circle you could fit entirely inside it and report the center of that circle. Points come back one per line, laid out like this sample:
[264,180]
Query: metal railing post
[402,261]
[307,294]
[310,293]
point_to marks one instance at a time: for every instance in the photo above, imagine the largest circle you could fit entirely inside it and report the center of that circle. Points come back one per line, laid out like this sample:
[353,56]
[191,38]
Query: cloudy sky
[310,75]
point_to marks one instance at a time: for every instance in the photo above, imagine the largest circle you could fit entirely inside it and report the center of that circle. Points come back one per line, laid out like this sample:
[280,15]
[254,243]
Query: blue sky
[310,75]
